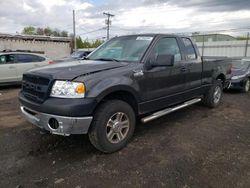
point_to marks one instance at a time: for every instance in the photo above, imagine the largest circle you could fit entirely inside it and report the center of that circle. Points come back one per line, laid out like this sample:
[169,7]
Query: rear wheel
[214,96]
[246,86]
[113,126]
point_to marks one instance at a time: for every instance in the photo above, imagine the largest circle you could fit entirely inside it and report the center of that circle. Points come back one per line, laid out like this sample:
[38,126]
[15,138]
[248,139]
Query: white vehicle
[14,64]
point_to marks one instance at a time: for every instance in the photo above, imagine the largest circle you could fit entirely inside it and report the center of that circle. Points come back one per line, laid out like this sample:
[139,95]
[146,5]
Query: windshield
[128,48]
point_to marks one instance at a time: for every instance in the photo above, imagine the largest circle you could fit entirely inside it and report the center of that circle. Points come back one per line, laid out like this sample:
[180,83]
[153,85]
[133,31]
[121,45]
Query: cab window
[191,55]
[167,46]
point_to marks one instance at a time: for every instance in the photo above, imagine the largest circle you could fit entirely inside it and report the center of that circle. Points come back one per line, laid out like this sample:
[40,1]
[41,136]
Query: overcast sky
[138,16]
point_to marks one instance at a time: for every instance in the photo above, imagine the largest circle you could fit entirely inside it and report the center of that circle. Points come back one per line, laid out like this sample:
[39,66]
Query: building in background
[222,44]
[212,37]
[52,47]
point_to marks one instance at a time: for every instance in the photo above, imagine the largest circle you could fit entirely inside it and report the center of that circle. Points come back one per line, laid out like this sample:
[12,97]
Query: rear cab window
[189,49]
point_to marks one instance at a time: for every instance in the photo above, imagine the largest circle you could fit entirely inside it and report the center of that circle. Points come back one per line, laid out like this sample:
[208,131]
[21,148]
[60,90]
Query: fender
[114,84]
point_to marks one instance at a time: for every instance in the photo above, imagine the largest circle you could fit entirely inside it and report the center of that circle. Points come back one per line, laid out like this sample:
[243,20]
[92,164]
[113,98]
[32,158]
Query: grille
[35,88]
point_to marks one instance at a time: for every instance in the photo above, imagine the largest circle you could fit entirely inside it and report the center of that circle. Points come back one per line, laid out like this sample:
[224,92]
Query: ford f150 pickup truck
[127,78]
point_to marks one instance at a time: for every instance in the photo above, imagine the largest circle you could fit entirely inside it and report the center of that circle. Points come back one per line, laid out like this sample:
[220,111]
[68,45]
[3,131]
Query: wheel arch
[221,77]
[124,93]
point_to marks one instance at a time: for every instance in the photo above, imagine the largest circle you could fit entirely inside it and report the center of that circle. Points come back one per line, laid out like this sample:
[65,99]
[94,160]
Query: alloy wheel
[217,94]
[117,127]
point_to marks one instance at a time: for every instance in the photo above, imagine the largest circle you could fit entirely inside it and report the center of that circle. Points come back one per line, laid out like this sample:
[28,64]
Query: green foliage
[195,33]
[87,44]
[29,30]
[64,34]
[40,31]
[57,33]
[97,43]
[242,38]
[79,42]
[44,31]
[48,31]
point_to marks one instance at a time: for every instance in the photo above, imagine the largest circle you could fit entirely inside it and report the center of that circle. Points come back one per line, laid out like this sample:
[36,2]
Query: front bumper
[66,125]
[62,107]
[237,84]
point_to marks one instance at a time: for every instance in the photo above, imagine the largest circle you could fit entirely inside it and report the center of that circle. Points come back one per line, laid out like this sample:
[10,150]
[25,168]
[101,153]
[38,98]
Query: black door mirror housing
[164,60]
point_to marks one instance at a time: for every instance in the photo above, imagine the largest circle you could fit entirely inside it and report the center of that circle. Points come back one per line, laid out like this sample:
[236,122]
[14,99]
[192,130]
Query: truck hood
[72,70]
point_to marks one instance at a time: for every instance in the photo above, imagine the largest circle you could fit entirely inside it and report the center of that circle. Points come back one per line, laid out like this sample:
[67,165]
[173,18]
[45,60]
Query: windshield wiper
[106,59]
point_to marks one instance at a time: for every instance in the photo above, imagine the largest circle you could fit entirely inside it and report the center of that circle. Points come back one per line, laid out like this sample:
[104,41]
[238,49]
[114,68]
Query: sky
[138,16]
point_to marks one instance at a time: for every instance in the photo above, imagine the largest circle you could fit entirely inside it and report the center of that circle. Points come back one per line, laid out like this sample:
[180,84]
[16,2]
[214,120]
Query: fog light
[53,124]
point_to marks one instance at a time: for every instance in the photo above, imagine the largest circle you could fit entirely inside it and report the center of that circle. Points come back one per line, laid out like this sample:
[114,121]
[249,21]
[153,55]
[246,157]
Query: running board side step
[169,110]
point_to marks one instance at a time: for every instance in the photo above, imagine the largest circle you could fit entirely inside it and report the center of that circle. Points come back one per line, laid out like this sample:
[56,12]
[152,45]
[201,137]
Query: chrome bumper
[66,125]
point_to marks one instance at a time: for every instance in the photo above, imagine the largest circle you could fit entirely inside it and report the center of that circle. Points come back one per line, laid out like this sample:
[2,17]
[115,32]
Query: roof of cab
[155,35]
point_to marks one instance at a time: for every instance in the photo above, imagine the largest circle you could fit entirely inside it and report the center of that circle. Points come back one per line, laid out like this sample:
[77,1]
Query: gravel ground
[194,147]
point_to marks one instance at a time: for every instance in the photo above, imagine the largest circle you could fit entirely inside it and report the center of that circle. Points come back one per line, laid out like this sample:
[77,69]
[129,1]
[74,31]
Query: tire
[113,126]
[246,86]
[214,96]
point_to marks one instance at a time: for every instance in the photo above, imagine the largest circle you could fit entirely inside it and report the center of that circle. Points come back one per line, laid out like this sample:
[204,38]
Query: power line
[81,27]
[92,31]
[108,22]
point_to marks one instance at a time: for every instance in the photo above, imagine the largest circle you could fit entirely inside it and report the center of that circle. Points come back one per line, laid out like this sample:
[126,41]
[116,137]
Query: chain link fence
[227,43]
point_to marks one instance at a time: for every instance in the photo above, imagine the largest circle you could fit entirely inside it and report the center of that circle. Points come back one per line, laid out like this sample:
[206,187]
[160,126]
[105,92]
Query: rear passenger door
[194,65]
[8,71]
[25,62]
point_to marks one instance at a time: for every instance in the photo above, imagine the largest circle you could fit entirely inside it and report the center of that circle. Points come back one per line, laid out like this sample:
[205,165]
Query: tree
[56,33]
[242,38]
[64,34]
[96,43]
[29,30]
[44,31]
[79,43]
[86,44]
[48,31]
[195,33]
[39,31]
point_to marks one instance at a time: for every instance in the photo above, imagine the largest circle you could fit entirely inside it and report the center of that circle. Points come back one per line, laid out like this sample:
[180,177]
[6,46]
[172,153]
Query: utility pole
[203,44]
[74,29]
[108,22]
[246,47]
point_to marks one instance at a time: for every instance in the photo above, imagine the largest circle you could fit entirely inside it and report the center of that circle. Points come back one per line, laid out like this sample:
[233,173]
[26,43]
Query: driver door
[165,84]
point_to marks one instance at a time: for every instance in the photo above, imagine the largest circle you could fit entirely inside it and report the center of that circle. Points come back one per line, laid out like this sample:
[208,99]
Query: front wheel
[113,126]
[246,86]
[214,96]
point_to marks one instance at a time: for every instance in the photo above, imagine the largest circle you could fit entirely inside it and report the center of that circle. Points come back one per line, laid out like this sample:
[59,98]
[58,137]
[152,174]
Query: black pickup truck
[127,78]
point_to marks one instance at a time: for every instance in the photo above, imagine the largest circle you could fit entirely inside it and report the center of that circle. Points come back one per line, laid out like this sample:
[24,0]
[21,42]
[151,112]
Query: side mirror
[164,60]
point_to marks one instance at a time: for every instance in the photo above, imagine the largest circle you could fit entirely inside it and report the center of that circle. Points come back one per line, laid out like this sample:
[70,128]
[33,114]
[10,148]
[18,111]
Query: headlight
[238,77]
[67,89]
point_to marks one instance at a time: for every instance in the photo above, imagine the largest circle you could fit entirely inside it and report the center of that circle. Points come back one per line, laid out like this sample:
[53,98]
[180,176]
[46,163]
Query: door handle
[183,69]
[12,67]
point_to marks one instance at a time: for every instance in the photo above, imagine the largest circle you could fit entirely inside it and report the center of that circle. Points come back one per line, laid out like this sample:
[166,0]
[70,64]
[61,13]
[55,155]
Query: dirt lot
[194,147]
